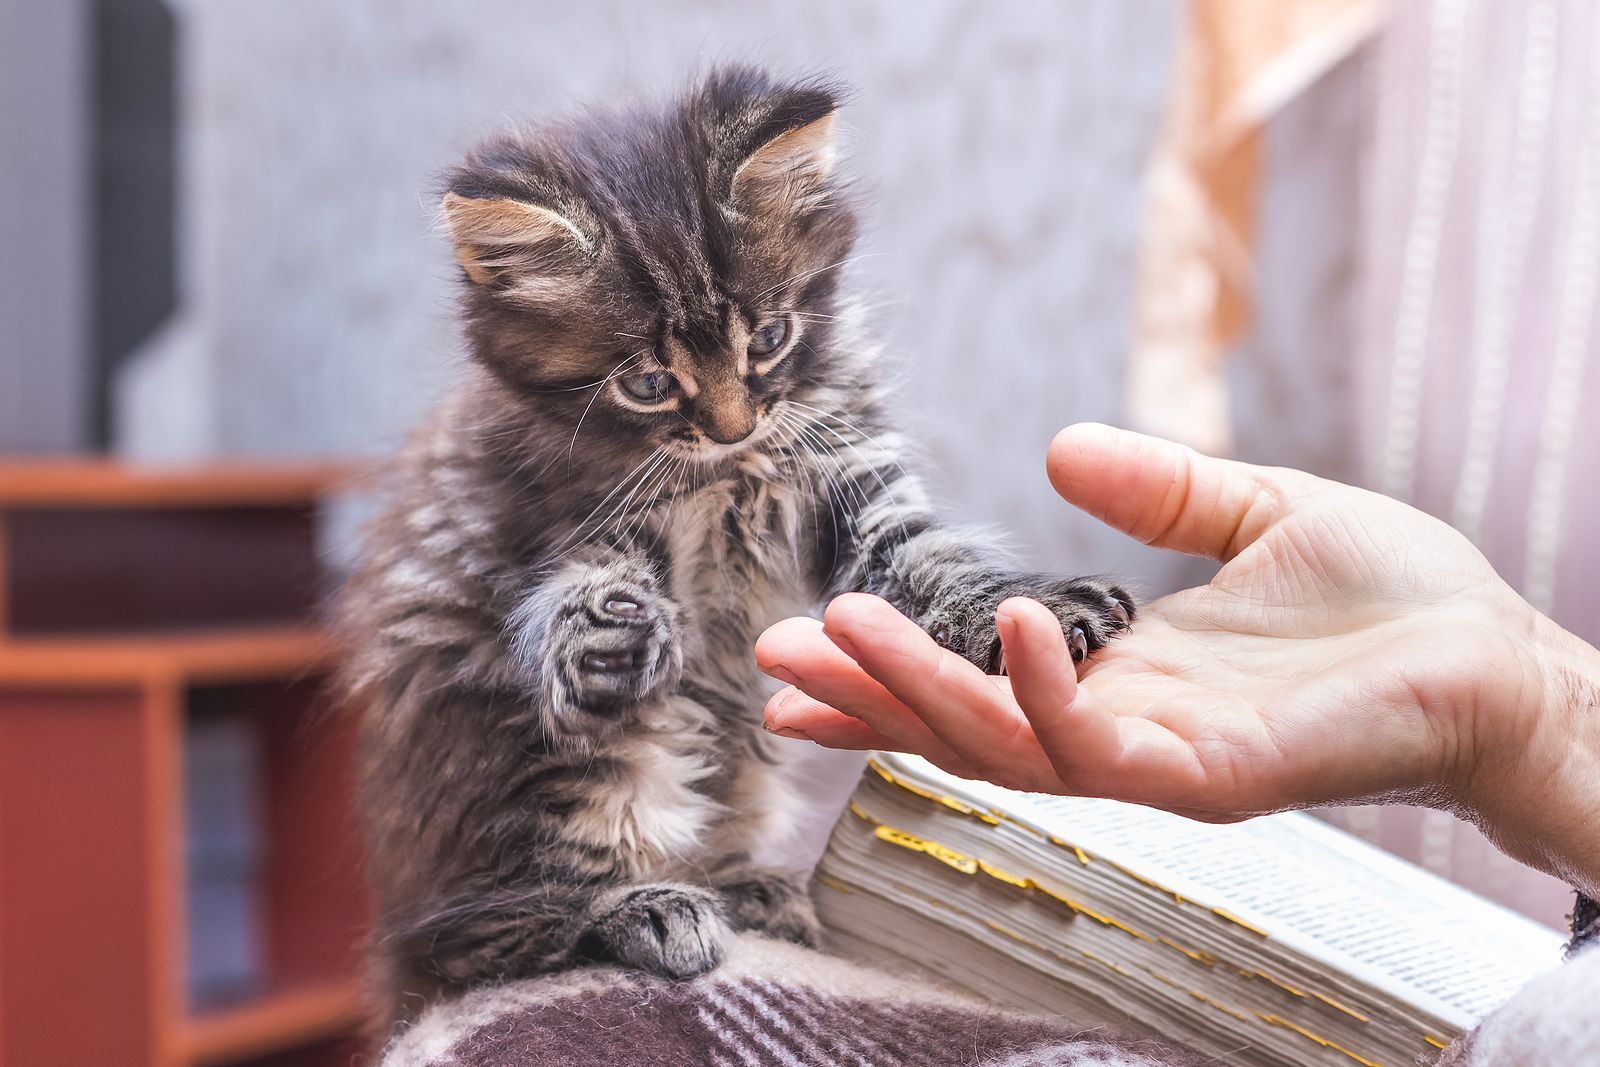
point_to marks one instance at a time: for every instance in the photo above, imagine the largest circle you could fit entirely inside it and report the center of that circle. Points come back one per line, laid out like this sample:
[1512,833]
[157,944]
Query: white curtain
[1478,272]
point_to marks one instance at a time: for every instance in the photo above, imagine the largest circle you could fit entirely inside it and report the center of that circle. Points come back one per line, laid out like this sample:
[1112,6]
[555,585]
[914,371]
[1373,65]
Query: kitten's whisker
[623,481]
[789,421]
[835,499]
[685,471]
[622,511]
[834,415]
[672,503]
[636,509]
[600,381]
[866,437]
[817,448]
[691,476]
[871,469]
[853,482]
[647,505]
[640,472]
[833,458]
[620,367]
[601,389]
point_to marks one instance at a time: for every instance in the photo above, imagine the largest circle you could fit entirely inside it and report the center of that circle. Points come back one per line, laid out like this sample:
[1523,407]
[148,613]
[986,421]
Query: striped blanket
[775,1005]
[768,1004]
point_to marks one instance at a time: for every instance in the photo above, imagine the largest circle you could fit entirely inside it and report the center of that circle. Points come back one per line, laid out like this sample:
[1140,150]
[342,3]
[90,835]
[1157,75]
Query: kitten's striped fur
[554,622]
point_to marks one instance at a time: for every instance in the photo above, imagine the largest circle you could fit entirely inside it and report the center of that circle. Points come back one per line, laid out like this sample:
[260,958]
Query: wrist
[1540,798]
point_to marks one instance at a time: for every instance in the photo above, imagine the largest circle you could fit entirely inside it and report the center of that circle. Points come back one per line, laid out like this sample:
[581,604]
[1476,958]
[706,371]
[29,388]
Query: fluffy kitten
[672,436]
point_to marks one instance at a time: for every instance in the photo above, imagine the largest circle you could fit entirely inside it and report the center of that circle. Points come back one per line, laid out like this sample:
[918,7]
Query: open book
[1275,941]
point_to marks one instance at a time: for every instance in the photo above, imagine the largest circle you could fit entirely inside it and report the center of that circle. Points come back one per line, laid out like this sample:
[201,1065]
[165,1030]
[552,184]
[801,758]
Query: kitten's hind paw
[673,931]
[772,903]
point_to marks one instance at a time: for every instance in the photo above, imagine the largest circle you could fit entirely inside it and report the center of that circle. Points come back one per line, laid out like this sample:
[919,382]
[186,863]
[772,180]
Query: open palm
[1349,648]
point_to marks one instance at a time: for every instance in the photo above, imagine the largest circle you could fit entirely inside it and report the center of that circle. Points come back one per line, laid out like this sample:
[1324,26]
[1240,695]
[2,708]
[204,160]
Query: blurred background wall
[45,144]
[1001,145]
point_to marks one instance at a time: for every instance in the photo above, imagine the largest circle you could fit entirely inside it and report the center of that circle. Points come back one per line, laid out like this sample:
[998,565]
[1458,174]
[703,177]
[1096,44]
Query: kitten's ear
[774,143]
[791,169]
[500,234]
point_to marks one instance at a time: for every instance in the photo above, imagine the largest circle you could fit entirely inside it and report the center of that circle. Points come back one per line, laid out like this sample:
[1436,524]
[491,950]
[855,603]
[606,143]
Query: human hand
[1351,648]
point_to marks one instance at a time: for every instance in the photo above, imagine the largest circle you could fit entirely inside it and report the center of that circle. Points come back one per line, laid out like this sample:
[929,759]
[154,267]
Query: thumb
[1164,494]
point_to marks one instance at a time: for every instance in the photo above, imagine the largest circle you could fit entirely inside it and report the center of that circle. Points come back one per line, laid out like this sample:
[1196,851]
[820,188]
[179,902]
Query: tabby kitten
[672,436]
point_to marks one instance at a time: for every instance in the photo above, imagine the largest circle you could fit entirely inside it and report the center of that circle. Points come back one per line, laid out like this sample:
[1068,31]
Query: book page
[1321,890]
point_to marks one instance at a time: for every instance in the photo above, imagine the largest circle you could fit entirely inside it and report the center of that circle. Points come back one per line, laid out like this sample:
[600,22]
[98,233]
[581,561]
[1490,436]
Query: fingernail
[1005,624]
[790,732]
[782,674]
[844,644]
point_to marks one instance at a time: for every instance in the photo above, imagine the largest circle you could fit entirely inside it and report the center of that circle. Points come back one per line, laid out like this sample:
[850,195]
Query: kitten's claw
[1090,611]
[614,662]
[626,609]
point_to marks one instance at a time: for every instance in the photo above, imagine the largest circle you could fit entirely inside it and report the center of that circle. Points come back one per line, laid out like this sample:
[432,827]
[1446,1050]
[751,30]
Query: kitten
[672,436]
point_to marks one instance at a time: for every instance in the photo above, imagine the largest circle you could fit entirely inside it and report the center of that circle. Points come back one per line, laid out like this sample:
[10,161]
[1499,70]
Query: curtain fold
[1238,63]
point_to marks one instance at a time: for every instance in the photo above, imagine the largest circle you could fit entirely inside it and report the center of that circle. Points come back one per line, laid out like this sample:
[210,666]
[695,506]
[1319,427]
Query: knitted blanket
[768,1004]
[778,1005]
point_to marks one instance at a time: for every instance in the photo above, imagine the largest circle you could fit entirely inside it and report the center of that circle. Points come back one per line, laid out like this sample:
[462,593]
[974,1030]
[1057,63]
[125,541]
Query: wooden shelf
[274,1023]
[136,603]
[195,658]
[85,483]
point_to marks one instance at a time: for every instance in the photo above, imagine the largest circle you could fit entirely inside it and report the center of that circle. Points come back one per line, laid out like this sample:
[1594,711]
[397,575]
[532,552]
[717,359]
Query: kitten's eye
[650,387]
[769,338]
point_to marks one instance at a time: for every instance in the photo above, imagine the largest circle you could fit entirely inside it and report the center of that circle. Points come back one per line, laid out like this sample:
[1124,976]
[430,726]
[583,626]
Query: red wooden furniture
[130,601]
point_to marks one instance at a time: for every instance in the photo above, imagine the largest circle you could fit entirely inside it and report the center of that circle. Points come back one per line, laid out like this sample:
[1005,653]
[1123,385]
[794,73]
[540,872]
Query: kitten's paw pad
[673,931]
[618,645]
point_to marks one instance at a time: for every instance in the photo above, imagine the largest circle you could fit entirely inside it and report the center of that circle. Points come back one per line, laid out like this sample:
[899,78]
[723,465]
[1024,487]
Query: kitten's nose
[729,427]
[726,411]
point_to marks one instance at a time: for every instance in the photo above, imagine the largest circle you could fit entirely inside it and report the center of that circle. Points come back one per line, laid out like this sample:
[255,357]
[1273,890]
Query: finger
[797,652]
[1075,733]
[1163,493]
[790,713]
[1093,751]
[976,719]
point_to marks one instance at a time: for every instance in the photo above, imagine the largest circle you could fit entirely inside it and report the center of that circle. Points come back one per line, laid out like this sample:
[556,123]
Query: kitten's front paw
[1092,612]
[670,930]
[614,643]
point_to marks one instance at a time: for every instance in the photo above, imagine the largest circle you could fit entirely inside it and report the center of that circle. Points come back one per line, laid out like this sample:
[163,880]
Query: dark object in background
[135,167]
[156,568]
[88,211]
[224,843]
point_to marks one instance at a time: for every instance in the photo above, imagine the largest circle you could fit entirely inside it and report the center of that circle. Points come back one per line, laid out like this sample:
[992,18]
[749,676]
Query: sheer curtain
[1478,270]
[1423,265]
